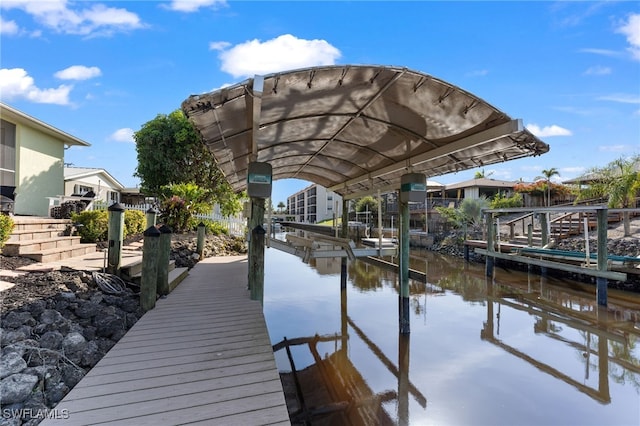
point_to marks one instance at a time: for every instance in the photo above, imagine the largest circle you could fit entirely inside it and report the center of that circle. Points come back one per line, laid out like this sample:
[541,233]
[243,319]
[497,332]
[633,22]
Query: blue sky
[100,69]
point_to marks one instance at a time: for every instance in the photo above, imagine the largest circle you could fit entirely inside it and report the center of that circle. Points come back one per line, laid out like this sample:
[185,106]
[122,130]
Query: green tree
[171,151]
[547,174]
[368,204]
[619,183]
[281,207]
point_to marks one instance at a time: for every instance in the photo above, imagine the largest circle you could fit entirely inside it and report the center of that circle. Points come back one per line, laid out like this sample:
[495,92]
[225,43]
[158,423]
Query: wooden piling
[403,302]
[200,241]
[115,236]
[164,253]
[256,249]
[601,282]
[148,284]
[544,225]
[489,259]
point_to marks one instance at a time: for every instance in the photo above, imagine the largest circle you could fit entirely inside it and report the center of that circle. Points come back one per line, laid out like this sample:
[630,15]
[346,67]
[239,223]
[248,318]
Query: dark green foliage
[94,225]
[171,151]
[6,228]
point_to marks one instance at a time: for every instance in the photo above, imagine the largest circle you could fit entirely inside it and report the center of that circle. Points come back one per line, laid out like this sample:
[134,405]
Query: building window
[81,189]
[7,154]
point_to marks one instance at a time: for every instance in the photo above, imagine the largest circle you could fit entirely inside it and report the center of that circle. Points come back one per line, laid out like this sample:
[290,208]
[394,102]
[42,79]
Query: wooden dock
[201,356]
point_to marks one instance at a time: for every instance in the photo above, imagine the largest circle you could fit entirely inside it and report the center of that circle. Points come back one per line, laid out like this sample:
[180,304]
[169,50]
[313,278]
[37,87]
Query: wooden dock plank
[202,355]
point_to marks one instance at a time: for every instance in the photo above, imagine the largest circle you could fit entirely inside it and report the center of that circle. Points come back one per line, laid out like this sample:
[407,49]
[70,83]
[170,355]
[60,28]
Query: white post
[268,221]
[586,240]
[426,216]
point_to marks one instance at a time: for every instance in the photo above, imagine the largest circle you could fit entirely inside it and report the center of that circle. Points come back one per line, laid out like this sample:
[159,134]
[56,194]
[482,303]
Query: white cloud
[623,98]
[603,52]
[15,83]
[219,45]
[615,148]
[598,70]
[59,16]
[78,72]
[194,5]
[8,27]
[122,135]
[279,54]
[631,29]
[547,131]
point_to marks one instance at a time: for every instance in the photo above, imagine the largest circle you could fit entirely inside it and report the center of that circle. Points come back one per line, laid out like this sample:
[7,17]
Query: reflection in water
[515,349]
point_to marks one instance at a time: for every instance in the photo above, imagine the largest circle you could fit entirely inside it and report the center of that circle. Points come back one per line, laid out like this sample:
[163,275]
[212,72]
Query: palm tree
[281,207]
[619,182]
[548,174]
[481,174]
[622,186]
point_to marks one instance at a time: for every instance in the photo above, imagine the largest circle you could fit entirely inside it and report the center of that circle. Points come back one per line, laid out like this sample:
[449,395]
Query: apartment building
[314,204]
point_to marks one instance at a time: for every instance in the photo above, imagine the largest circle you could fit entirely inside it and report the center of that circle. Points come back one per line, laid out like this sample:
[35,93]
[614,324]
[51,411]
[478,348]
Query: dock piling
[115,235]
[149,280]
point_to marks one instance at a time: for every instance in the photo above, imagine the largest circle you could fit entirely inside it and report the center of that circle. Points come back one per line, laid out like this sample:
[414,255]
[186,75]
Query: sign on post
[259,180]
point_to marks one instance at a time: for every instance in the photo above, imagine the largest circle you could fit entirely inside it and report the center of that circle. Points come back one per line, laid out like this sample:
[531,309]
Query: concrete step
[134,271]
[176,276]
[22,248]
[34,234]
[61,253]
[22,223]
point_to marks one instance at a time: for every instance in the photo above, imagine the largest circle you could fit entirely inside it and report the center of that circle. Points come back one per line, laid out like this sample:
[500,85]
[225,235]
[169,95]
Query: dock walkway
[201,356]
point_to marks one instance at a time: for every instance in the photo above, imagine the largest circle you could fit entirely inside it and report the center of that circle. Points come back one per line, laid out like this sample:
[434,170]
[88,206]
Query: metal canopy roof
[354,129]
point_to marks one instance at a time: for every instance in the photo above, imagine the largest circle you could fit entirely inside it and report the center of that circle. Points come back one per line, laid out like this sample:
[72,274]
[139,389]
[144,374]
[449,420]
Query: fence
[235,225]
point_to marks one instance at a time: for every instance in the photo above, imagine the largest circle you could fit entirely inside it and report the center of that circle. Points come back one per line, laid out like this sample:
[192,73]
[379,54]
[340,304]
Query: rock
[71,375]
[56,393]
[11,363]
[12,336]
[17,387]
[50,316]
[73,346]
[91,355]
[107,322]
[87,309]
[37,307]
[51,340]
[16,319]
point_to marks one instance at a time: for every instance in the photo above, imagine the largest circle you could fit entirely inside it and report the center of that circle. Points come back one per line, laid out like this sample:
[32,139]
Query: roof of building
[78,173]
[354,129]
[483,183]
[11,114]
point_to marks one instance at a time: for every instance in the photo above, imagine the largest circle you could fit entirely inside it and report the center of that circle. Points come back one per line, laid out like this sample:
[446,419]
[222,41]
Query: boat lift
[318,246]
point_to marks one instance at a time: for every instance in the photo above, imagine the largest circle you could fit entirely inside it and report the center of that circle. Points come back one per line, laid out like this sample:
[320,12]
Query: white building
[314,204]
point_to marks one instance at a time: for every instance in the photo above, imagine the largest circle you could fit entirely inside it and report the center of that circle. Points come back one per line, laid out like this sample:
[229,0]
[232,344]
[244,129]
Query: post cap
[151,231]
[116,207]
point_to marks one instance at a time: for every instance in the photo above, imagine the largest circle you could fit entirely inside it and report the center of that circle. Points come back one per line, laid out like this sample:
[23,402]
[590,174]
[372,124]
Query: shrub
[94,225]
[501,201]
[180,203]
[215,228]
[134,222]
[6,228]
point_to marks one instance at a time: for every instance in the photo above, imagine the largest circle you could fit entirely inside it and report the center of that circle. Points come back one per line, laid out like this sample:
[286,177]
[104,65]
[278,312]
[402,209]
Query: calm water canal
[516,350]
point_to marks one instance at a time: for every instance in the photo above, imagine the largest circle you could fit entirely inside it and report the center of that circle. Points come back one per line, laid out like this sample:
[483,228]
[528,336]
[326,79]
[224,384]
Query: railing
[235,225]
